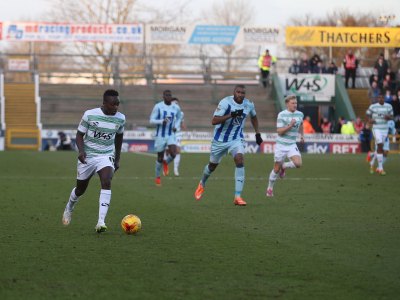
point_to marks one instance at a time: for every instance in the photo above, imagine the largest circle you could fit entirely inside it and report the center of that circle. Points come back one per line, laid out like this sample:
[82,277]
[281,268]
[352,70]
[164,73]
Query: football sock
[165,155]
[104,203]
[169,159]
[272,179]
[239,180]
[289,165]
[158,168]
[206,174]
[379,157]
[73,199]
[177,160]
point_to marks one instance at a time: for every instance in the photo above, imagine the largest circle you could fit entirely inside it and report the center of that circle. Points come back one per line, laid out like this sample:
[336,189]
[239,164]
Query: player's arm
[220,119]
[179,118]
[80,145]
[254,123]
[301,131]
[154,119]
[370,121]
[118,145]
[284,129]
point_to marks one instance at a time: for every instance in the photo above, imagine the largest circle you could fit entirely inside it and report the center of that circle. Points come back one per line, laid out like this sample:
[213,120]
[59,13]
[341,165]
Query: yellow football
[131,224]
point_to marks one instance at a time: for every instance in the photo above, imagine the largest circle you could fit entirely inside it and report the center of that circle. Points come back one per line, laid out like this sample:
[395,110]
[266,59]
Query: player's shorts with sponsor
[283,151]
[386,145]
[178,136]
[219,149]
[93,165]
[379,136]
[160,143]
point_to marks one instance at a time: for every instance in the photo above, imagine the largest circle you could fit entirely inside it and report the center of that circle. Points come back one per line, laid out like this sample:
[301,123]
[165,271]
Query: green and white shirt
[100,130]
[377,112]
[283,120]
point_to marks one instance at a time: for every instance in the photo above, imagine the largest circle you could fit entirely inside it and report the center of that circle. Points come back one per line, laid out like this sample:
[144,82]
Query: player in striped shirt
[378,115]
[371,156]
[99,140]
[229,119]
[167,116]
[289,124]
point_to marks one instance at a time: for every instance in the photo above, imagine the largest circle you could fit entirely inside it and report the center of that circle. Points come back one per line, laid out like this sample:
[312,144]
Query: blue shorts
[219,149]
[160,143]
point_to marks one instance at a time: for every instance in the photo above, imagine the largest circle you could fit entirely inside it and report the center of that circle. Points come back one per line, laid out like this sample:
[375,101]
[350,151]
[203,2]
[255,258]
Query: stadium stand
[63,104]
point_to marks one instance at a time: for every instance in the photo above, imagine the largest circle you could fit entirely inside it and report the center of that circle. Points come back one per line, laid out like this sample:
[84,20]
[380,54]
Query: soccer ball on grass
[131,224]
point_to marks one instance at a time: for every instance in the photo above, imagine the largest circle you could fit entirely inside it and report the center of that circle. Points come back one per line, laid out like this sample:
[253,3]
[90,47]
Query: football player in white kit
[99,140]
[289,124]
[378,115]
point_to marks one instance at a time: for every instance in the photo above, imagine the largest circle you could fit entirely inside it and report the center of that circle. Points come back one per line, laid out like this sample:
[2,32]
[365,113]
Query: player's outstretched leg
[198,194]
[104,204]
[239,183]
[67,215]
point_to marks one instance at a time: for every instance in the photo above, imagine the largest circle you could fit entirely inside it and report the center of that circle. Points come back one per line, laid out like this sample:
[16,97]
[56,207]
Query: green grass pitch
[332,231]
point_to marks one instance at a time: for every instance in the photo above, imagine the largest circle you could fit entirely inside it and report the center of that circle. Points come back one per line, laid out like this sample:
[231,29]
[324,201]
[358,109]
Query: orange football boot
[199,191]
[239,201]
[165,168]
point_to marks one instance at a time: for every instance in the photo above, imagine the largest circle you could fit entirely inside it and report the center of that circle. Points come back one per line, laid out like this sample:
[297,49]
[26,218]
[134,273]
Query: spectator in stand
[326,126]
[389,83]
[265,62]
[304,64]
[348,128]
[381,65]
[295,67]
[373,77]
[388,96]
[396,108]
[373,92]
[314,63]
[365,138]
[339,124]
[394,64]
[63,142]
[358,125]
[350,64]
[332,69]
[307,126]
[319,68]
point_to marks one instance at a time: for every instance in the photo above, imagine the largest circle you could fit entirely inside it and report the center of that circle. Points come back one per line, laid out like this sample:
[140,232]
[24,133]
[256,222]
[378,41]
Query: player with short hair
[167,116]
[289,124]
[379,114]
[99,141]
[229,119]
[371,156]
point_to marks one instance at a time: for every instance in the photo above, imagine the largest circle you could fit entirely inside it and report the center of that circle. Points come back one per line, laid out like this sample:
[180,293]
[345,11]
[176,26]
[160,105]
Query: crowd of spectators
[385,80]
[313,65]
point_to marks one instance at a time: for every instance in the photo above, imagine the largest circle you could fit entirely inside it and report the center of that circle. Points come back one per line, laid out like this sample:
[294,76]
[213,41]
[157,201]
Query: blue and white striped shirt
[160,112]
[232,129]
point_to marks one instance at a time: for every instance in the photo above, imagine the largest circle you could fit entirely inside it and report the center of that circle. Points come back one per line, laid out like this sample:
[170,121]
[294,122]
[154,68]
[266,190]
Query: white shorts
[160,143]
[93,165]
[219,149]
[283,151]
[379,136]
[178,136]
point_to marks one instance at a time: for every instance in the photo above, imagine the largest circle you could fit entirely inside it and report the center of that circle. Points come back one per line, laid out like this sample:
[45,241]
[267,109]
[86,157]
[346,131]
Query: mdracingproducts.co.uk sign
[378,37]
